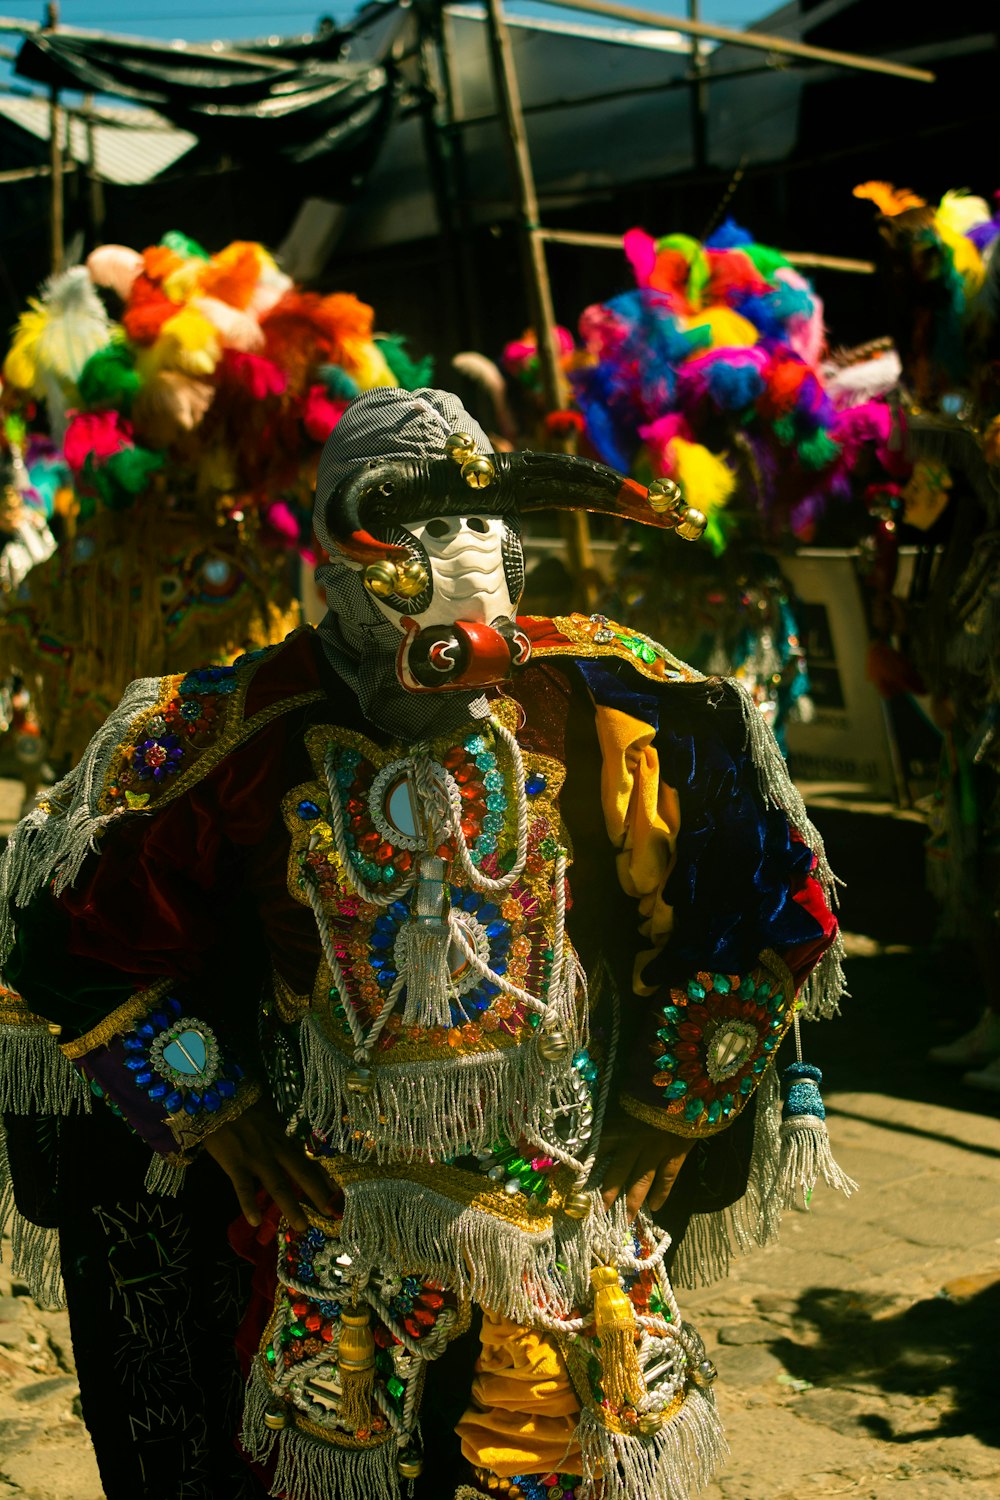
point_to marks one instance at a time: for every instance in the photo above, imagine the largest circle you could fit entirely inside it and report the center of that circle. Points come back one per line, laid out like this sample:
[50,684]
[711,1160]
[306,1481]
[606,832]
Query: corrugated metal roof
[130,145]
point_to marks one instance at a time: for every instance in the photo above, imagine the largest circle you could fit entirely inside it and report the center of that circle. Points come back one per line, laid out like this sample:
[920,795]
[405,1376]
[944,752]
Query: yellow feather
[705,480]
[187,342]
[367,364]
[728,329]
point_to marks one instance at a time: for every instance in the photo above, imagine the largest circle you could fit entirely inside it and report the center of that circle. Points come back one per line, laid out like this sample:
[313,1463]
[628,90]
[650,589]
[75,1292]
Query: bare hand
[254,1151]
[644,1164]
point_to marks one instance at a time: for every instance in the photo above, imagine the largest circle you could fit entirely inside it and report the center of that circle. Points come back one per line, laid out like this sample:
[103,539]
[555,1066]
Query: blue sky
[207,20]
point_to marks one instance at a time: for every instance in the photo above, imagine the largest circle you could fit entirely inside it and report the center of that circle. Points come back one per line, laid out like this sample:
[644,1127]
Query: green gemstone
[389,874]
[548,848]
[671,1013]
[714,1111]
[746,1084]
[297,1330]
[693,1108]
[270,1356]
[534,1020]
[760,1064]
[677,1090]
[667,1063]
[727,1103]
[395,1387]
[748,987]
[695,990]
[721,984]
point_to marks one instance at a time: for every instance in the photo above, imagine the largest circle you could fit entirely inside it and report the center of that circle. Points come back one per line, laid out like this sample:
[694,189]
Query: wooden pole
[594,241]
[699,98]
[55,155]
[574,524]
[756,40]
[95,184]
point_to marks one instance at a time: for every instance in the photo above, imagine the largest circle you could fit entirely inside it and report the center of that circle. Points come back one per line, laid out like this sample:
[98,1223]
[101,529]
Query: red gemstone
[455,757]
[355,806]
[383,854]
[424,1316]
[404,860]
[369,842]
[412,1327]
[314,1322]
[471,790]
[464,774]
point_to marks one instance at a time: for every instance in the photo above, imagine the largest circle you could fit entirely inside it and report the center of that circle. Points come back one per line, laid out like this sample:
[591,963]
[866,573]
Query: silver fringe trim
[674,1464]
[712,1240]
[429,985]
[35,1077]
[52,845]
[806,1156]
[309,1468]
[821,994]
[421,1108]
[466,1250]
[164,1177]
[34,1251]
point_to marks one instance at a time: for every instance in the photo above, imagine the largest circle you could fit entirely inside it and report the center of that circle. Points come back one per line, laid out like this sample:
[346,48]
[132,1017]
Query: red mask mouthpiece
[465,655]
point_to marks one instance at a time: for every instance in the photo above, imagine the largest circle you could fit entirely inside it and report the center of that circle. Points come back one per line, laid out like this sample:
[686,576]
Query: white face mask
[467,565]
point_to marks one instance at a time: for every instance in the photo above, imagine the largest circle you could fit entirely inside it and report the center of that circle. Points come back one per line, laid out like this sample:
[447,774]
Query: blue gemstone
[383,942]
[143,1080]
[145,1030]
[307,811]
[157,1090]
[211,1101]
[386,979]
[133,1044]
[173,1102]
[480,1002]
[488,912]
[225,1087]
[376,963]
[192,1104]
[489,988]
[496,929]
[535,783]
[399,910]
[159,1020]
[499,966]
[136,1064]
[233,1070]
[173,1005]
[470,901]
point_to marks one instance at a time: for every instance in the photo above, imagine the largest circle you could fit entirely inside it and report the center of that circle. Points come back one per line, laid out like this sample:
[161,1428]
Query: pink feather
[115,266]
[640,252]
[236,329]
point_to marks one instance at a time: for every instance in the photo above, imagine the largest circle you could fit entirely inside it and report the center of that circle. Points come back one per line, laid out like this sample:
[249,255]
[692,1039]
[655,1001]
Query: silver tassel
[165,1177]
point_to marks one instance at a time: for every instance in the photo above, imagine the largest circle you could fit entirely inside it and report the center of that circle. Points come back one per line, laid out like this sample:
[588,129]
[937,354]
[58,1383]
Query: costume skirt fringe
[34,1250]
[674,1464]
[420,1108]
[308,1468]
[35,1077]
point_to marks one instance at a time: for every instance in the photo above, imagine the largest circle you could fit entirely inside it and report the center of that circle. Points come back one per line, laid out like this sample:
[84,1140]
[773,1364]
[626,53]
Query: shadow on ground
[935,1350]
[909,991]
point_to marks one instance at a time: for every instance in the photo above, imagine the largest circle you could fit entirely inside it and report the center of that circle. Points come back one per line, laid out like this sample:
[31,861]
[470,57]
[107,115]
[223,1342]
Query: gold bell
[360,1081]
[650,1422]
[55,1029]
[691,526]
[577,1204]
[459,447]
[380,579]
[553,1047]
[478,473]
[411,578]
[410,1465]
[703,1373]
[276,1418]
[665,496]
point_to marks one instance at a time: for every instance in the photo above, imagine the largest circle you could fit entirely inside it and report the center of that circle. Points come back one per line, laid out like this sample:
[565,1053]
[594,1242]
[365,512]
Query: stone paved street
[858,1356]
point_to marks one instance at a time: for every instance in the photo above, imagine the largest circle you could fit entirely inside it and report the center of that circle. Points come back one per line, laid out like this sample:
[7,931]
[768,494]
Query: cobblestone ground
[856,1357]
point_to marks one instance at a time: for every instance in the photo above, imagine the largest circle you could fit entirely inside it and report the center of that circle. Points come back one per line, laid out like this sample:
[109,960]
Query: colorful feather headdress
[217,374]
[708,373]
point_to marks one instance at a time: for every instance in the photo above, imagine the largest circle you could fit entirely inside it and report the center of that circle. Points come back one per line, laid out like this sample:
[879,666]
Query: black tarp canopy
[299,99]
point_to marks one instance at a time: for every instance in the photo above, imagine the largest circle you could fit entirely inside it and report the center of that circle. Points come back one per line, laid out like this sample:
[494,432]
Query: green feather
[412,374]
[109,379]
[183,246]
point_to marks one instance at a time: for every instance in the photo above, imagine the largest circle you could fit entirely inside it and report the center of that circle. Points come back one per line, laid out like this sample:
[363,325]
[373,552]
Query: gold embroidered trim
[289,1006]
[452,1183]
[14,1012]
[579,642]
[662,1120]
[118,1022]
[576,1355]
[233,732]
[189,1132]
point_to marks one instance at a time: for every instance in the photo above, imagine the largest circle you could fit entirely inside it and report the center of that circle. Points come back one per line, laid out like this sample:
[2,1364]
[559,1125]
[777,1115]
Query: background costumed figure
[464,943]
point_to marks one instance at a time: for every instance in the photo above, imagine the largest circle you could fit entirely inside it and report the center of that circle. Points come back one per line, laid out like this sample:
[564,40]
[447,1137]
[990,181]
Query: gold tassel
[356,1367]
[614,1319]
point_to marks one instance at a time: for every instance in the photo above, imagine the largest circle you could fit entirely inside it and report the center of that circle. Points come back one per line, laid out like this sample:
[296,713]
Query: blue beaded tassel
[805,1143]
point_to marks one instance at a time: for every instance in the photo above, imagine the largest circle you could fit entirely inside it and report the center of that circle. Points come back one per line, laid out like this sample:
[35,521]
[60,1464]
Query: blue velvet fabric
[731,886]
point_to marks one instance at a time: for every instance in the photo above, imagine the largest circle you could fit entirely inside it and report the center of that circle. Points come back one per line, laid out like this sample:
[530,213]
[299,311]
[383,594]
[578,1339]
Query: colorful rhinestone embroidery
[176,1060]
[717,1038]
